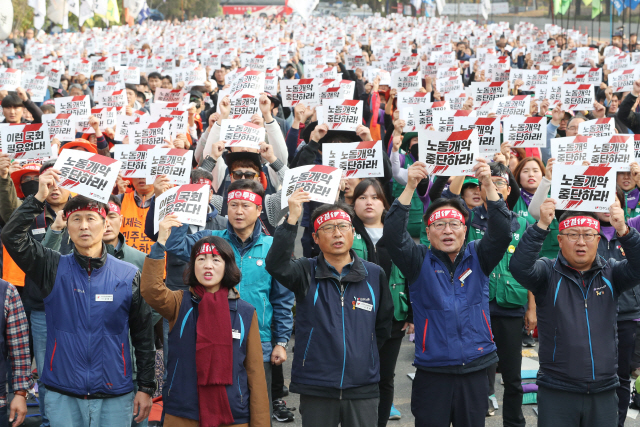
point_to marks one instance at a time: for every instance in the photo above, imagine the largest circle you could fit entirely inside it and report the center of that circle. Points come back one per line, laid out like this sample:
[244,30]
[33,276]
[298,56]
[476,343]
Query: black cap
[230,157]
[196,94]
[60,92]
[306,134]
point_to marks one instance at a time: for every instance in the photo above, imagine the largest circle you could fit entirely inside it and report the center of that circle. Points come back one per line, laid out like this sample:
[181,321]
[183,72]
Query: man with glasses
[250,245]
[343,316]
[576,297]
[509,302]
[449,286]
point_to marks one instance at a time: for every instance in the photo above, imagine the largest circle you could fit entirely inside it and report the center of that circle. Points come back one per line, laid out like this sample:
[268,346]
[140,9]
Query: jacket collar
[257,230]
[89,264]
[444,258]
[118,253]
[213,213]
[357,273]
[562,266]
[233,295]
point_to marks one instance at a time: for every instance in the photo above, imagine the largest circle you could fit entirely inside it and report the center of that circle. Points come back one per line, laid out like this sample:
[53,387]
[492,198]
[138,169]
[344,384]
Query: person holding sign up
[250,245]
[87,367]
[577,302]
[343,317]
[216,377]
[13,104]
[449,292]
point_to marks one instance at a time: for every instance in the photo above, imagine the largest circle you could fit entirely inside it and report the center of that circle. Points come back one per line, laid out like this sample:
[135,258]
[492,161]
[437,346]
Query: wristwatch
[22,393]
[283,344]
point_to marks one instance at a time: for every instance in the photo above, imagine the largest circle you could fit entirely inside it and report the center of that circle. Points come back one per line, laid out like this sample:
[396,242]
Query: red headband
[445,214]
[204,181]
[207,248]
[114,208]
[92,208]
[580,221]
[328,216]
[244,195]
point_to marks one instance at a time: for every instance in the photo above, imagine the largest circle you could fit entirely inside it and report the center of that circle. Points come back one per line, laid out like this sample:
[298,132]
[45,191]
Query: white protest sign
[448,153]
[123,122]
[323,182]
[615,151]
[10,79]
[341,114]
[172,162]
[451,84]
[570,150]
[622,80]
[488,91]
[74,105]
[598,127]
[171,95]
[518,105]
[577,96]
[410,80]
[488,132]
[443,121]
[244,105]
[306,91]
[237,133]
[114,77]
[423,114]
[521,131]
[61,126]
[356,159]
[250,80]
[584,188]
[188,202]
[90,175]
[37,84]
[532,78]
[116,98]
[26,141]
[133,159]
[154,133]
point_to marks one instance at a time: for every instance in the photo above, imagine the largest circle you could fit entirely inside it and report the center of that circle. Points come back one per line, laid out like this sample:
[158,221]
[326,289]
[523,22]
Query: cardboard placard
[584,188]
[172,162]
[323,182]
[356,159]
[448,153]
[521,131]
[90,175]
[188,202]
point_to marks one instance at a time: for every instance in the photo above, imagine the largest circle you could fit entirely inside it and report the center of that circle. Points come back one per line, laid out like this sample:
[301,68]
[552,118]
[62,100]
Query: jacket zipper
[457,318]
[55,345]
[264,308]
[89,321]
[342,290]
[555,336]
[124,362]
[373,360]
[307,349]
[239,389]
[424,334]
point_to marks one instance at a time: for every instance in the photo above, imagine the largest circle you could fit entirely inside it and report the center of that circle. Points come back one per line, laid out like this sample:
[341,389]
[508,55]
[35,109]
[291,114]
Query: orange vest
[10,270]
[133,219]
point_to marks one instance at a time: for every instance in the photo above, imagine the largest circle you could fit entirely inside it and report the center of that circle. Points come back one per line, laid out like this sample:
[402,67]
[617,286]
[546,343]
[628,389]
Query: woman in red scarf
[215,374]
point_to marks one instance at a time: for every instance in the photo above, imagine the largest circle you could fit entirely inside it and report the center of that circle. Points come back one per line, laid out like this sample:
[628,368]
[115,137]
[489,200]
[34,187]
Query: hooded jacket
[576,312]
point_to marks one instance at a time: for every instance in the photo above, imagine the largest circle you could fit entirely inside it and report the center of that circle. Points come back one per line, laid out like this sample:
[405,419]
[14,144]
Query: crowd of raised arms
[158,181]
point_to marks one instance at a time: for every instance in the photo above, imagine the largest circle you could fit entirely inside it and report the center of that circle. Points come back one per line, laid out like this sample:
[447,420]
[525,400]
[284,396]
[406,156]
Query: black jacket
[627,116]
[41,264]
[577,312]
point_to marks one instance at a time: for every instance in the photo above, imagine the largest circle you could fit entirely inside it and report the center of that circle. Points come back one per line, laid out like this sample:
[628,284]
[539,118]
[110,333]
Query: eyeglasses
[244,175]
[454,225]
[500,183]
[574,237]
[330,228]
[572,128]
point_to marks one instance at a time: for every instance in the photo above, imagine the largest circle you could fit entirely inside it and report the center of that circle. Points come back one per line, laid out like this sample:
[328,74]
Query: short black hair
[12,100]
[232,274]
[113,199]
[440,203]
[197,174]
[143,81]
[499,169]
[48,109]
[571,214]
[167,77]
[336,137]
[551,39]
[322,209]
[154,75]
[247,184]
[82,202]
[131,87]
[95,76]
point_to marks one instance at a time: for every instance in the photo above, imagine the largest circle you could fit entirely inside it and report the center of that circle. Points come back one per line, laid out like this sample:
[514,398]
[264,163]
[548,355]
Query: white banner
[356,159]
[90,175]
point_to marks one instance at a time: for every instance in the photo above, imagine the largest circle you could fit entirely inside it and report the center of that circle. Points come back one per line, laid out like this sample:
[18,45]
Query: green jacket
[397,283]
[503,287]
[417,207]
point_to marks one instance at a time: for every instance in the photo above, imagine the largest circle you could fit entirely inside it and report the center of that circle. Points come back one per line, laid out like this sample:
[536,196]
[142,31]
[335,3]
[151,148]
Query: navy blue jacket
[180,393]
[576,312]
[341,321]
[450,311]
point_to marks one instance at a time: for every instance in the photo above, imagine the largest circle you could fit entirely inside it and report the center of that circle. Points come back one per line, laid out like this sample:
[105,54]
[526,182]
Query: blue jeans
[39,335]
[67,411]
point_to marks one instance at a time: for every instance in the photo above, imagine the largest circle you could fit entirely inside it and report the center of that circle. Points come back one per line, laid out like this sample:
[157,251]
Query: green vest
[397,283]
[503,287]
[522,210]
[417,207]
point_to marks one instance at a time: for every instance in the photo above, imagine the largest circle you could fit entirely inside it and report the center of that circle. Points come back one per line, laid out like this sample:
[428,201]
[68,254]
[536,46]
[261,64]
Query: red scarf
[214,357]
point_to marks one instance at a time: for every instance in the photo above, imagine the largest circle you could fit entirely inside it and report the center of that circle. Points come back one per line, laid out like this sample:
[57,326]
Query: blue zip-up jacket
[341,320]
[450,300]
[576,312]
[271,300]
